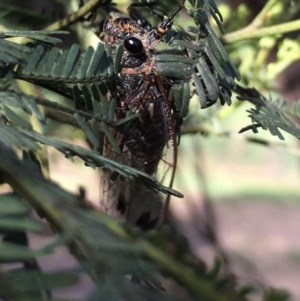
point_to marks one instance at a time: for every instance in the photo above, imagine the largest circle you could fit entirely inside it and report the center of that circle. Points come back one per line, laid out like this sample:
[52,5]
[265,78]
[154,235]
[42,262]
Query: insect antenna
[163,28]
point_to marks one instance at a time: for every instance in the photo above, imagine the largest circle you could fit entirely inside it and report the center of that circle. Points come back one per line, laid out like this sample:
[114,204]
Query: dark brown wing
[142,144]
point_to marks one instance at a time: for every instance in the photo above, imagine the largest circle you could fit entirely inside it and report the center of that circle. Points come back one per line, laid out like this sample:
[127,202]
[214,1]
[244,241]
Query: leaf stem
[72,18]
[253,33]
[258,28]
[197,286]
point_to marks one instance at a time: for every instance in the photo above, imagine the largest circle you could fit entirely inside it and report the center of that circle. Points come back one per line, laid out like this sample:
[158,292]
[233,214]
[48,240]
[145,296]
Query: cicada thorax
[147,134]
[140,91]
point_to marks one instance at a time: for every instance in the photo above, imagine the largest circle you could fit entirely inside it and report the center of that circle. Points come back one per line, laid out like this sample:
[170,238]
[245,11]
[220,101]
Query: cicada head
[138,41]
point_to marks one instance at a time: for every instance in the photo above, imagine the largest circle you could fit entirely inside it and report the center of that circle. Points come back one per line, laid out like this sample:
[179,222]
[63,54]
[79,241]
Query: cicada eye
[133,45]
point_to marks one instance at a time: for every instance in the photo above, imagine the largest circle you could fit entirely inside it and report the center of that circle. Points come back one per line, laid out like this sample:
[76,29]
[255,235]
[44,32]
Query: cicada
[141,91]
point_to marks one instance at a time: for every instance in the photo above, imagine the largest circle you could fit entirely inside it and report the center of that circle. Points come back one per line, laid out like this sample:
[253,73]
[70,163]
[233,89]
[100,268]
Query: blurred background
[242,196]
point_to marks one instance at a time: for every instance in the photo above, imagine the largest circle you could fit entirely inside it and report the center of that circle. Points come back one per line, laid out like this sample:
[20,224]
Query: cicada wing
[114,191]
[122,198]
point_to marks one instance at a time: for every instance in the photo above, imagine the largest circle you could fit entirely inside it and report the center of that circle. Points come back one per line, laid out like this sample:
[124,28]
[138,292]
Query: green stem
[253,33]
[261,16]
[72,18]
[197,286]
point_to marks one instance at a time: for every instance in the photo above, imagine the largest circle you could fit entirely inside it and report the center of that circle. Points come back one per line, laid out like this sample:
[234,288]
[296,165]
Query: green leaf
[71,61]
[41,36]
[12,205]
[11,136]
[13,252]
[15,118]
[96,63]
[43,64]
[90,157]
[35,281]
[20,224]
[269,115]
[11,52]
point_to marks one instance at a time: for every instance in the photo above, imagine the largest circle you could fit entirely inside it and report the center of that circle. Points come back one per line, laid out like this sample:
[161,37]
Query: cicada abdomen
[140,90]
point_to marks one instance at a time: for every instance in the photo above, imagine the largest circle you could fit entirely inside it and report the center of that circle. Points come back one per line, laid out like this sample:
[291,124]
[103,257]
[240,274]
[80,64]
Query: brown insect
[141,91]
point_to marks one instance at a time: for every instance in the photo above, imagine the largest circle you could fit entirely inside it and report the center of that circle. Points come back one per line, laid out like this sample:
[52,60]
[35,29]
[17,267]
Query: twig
[256,28]
[192,130]
[72,18]
[253,33]
[196,286]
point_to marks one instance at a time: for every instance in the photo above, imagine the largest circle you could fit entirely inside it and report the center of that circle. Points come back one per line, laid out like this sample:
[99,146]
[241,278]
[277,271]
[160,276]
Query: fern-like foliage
[194,61]
[101,245]
[85,77]
[270,115]
[70,73]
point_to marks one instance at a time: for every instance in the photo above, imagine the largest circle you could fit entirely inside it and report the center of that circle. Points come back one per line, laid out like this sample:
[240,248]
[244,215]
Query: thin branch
[260,18]
[72,18]
[192,130]
[256,28]
[253,33]
[196,286]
